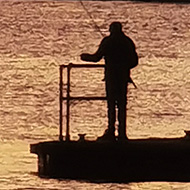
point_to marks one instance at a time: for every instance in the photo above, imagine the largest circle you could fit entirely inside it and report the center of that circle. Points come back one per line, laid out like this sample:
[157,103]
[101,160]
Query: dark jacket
[120,56]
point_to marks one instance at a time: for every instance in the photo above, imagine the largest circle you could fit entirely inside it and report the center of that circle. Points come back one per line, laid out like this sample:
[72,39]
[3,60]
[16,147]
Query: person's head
[115,27]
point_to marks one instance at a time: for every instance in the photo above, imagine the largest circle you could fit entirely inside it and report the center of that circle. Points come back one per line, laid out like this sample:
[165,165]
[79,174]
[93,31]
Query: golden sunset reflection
[38,36]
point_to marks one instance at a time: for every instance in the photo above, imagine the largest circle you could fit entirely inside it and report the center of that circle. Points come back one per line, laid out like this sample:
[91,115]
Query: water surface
[38,36]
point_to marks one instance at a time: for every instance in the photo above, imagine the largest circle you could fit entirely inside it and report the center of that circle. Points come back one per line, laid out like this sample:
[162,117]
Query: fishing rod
[90,16]
[98,29]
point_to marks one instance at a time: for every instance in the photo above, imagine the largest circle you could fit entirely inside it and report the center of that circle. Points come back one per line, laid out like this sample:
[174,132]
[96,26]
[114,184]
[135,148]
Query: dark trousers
[116,92]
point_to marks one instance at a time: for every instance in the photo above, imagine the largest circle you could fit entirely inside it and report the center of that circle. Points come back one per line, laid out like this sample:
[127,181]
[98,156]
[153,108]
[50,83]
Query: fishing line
[90,16]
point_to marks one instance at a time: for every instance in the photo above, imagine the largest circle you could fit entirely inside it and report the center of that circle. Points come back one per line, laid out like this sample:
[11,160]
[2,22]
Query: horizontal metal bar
[85,98]
[83,65]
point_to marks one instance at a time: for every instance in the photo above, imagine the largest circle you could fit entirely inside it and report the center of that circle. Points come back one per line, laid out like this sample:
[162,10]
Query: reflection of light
[15,158]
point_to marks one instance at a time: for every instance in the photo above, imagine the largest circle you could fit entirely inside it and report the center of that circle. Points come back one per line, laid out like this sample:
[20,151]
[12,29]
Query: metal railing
[68,98]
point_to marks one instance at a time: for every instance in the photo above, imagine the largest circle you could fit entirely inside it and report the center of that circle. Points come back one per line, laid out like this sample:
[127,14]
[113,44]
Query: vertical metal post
[68,102]
[60,103]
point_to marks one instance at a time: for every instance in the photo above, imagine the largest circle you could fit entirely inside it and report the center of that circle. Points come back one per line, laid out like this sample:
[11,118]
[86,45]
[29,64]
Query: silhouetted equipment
[132,160]
[90,16]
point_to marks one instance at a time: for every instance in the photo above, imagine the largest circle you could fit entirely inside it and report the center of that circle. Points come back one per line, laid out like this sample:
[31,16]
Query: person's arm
[97,56]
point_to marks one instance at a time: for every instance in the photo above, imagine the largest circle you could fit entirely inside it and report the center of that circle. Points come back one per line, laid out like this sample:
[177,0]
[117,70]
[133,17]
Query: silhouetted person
[120,56]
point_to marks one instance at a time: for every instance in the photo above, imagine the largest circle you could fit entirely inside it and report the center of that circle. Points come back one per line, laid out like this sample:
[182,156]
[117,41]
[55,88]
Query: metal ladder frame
[68,98]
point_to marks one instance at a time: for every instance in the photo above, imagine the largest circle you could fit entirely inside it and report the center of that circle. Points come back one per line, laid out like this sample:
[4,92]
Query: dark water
[38,36]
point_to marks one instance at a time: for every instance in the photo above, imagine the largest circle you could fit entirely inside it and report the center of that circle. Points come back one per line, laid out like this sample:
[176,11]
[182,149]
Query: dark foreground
[135,160]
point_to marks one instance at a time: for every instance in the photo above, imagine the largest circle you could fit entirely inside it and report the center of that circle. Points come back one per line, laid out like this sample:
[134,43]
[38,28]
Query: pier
[131,161]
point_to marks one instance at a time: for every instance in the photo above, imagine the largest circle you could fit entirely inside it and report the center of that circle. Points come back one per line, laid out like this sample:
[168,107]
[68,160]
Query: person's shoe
[122,138]
[107,137]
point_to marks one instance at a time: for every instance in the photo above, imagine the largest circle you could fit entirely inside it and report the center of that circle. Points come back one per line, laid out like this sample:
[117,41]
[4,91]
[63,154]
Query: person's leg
[111,115]
[111,104]
[110,94]
[122,103]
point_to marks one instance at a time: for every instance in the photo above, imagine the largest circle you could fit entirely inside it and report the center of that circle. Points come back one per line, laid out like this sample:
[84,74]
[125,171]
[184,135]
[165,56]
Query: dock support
[60,103]
[69,98]
[68,101]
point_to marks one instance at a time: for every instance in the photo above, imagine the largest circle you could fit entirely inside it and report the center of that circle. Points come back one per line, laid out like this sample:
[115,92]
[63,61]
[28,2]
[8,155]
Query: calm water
[37,36]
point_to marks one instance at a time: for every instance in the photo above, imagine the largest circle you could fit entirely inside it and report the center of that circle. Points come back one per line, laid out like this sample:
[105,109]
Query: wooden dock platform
[134,160]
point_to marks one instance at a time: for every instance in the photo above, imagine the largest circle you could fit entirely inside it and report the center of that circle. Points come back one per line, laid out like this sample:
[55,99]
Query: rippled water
[38,36]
